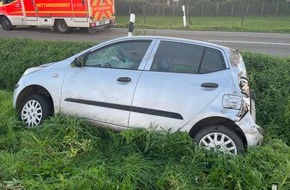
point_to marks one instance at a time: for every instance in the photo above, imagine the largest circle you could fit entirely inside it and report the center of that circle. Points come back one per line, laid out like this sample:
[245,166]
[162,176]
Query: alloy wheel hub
[31,113]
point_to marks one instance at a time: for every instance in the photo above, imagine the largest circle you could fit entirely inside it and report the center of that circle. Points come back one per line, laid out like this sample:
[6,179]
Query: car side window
[212,61]
[177,57]
[124,55]
[187,58]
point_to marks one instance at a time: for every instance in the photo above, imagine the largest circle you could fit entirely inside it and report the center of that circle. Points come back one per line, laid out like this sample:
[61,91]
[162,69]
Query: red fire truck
[61,15]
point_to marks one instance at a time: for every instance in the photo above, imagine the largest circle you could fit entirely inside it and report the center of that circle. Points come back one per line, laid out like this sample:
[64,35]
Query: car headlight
[34,69]
[31,70]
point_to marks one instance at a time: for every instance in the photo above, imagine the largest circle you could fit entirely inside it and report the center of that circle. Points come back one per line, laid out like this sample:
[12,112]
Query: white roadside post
[184,16]
[131,24]
[274,187]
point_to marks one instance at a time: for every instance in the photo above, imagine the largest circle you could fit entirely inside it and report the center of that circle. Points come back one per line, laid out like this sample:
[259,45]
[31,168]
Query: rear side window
[212,61]
[187,58]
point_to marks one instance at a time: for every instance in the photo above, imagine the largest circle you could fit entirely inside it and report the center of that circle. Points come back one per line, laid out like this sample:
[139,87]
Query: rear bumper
[252,131]
[95,28]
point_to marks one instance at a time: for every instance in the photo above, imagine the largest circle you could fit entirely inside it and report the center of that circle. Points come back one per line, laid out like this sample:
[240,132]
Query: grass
[68,153]
[276,24]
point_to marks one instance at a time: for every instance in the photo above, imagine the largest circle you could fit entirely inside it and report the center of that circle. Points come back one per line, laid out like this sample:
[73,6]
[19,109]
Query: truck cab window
[6,1]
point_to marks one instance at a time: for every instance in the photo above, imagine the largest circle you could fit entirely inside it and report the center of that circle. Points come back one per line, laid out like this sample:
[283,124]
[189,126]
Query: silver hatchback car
[168,83]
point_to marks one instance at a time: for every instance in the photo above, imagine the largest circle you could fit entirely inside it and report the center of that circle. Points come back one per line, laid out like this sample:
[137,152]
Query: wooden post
[248,6]
[188,13]
[217,8]
[158,7]
[262,9]
[144,14]
[277,8]
[202,9]
[242,21]
[232,11]
[163,13]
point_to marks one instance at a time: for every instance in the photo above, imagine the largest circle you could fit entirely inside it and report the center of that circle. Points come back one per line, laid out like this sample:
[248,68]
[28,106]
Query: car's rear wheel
[34,109]
[5,23]
[219,138]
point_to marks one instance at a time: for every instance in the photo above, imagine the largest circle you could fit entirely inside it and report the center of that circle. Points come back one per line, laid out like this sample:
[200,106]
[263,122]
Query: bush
[270,79]
[16,55]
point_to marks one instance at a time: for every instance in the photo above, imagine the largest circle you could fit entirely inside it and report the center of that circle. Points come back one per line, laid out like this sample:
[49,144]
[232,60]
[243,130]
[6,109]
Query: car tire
[220,139]
[5,23]
[35,109]
[62,27]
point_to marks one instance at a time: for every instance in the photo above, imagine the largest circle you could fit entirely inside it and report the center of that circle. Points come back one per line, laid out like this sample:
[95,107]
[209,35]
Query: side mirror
[81,60]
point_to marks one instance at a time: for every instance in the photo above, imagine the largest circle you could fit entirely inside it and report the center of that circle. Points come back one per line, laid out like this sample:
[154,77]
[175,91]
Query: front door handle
[124,79]
[209,85]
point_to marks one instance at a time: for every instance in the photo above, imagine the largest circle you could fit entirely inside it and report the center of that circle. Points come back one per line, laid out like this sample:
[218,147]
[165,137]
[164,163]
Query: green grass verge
[68,153]
[276,24]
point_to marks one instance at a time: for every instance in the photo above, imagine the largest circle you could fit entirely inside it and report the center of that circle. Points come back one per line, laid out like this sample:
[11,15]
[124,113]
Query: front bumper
[252,131]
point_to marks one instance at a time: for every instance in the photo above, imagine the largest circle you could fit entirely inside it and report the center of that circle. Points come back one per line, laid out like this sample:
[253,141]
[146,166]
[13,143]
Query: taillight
[244,85]
[93,24]
[235,102]
[232,101]
[246,93]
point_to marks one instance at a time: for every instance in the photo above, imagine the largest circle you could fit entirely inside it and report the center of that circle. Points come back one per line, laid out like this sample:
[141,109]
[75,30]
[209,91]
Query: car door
[102,90]
[180,82]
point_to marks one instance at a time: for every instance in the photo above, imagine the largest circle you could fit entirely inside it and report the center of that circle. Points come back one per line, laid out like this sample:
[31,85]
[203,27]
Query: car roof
[198,42]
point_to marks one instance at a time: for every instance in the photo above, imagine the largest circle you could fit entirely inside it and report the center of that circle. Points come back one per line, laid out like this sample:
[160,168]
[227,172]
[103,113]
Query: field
[68,153]
[276,24]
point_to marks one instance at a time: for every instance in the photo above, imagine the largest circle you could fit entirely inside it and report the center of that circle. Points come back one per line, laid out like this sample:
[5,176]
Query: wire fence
[210,8]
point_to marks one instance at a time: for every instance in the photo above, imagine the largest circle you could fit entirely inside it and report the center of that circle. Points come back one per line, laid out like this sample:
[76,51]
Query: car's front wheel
[219,138]
[34,109]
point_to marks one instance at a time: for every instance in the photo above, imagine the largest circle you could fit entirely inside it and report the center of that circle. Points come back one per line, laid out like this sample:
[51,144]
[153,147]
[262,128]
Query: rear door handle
[124,79]
[209,85]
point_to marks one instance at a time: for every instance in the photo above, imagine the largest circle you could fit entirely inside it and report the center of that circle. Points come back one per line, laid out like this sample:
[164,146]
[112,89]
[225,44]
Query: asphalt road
[266,43]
